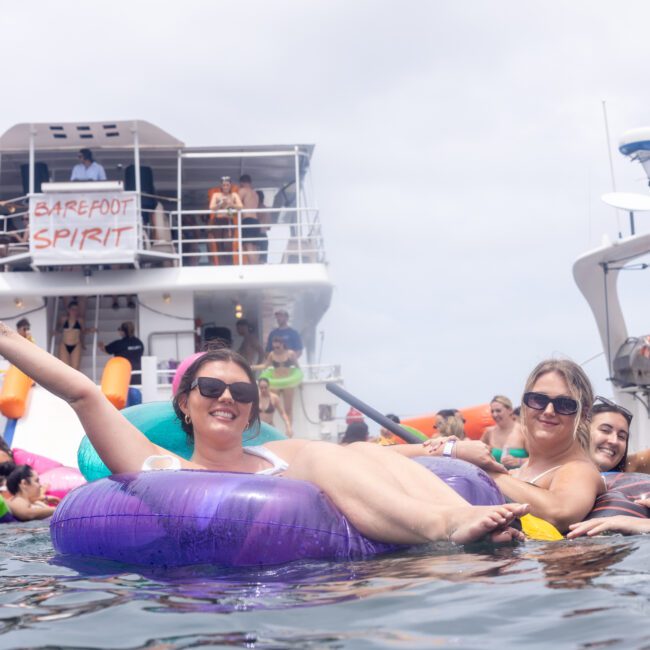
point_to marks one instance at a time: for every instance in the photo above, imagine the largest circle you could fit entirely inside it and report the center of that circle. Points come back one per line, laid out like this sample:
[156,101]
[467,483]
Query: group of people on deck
[569,435]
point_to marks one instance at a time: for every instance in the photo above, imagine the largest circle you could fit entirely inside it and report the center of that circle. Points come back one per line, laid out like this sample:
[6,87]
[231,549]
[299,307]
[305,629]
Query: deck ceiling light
[166,298]
[19,303]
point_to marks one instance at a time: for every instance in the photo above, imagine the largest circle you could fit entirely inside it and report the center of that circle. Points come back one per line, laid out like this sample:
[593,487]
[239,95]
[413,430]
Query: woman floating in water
[559,480]
[386,496]
[610,432]
[506,433]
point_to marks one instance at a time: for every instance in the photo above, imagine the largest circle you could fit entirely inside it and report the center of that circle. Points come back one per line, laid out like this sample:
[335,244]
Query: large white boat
[146,233]
[597,275]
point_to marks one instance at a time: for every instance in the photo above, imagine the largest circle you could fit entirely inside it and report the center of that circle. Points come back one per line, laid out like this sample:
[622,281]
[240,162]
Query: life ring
[291,380]
[622,489]
[224,518]
[158,421]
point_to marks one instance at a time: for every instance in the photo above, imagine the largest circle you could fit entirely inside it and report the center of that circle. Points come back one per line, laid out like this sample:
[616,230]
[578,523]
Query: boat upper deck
[158,203]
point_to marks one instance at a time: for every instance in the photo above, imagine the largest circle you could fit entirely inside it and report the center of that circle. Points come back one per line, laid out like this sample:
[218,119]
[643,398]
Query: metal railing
[199,237]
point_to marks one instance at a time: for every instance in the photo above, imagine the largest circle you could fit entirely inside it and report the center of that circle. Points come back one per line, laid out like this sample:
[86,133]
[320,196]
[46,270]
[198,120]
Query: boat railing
[312,373]
[190,237]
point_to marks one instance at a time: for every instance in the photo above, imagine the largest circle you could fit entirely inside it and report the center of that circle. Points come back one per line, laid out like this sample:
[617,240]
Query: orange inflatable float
[477,420]
[115,381]
[14,393]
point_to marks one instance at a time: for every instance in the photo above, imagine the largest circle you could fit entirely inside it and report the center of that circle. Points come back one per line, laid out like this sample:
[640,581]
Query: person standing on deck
[290,336]
[128,346]
[87,169]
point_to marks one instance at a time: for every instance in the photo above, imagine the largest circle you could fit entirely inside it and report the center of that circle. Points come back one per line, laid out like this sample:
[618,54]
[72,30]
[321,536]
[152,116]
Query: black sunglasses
[241,391]
[561,405]
[628,415]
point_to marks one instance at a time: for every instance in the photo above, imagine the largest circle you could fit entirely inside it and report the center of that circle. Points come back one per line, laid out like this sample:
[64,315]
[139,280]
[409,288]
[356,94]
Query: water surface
[591,594]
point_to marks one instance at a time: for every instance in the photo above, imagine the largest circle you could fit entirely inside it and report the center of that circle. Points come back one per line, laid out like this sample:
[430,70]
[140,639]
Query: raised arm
[121,446]
[569,497]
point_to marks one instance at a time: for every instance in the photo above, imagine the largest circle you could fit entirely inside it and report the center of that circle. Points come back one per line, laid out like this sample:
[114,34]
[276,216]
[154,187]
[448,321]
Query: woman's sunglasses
[628,415]
[214,388]
[561,405]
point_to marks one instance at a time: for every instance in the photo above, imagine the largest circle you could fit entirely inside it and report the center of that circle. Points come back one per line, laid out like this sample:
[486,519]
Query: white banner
[90,228]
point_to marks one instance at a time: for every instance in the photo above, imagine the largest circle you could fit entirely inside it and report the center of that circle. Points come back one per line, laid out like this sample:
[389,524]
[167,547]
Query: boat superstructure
[597,275]
[146,234]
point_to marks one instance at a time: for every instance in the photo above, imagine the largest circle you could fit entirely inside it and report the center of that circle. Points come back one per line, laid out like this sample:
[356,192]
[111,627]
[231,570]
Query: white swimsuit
[173,462]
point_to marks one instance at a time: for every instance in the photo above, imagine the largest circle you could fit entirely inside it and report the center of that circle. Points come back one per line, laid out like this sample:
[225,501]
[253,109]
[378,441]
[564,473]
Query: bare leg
[412,477]
[287,400]
[75,357]
[63,354]
[378,506]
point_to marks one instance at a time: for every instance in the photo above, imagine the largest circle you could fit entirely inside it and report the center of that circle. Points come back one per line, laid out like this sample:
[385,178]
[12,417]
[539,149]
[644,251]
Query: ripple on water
[582,594]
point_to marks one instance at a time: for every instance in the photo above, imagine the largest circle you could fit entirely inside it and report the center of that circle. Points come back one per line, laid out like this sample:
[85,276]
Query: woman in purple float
[386,496]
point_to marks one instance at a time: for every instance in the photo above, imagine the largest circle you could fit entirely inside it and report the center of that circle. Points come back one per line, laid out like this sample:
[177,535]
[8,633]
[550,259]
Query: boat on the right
[626,351]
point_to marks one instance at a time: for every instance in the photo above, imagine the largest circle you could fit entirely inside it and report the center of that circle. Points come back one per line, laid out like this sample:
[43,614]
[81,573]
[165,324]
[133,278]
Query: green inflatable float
[159,423]
[291,380]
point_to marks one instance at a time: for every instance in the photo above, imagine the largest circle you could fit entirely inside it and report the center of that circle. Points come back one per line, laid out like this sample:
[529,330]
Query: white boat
[146,232]
[597,272]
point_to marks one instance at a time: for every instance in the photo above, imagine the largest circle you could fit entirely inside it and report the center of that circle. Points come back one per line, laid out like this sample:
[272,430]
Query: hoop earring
[188,419]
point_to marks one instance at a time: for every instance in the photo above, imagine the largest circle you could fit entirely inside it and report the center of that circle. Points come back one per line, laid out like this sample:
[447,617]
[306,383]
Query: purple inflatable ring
[177,518]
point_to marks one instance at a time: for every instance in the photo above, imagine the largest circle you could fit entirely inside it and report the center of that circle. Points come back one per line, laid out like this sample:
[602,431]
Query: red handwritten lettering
[41,240]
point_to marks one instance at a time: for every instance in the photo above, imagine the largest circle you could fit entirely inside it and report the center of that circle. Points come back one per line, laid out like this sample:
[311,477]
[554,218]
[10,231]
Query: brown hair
[452,426]
[220,354]
[579,388]
[503,400]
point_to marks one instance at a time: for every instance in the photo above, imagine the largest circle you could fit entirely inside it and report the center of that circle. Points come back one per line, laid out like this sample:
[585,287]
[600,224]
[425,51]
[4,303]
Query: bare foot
[469,524]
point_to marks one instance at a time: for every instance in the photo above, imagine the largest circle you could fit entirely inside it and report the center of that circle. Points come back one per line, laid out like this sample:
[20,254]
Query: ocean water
[581,594]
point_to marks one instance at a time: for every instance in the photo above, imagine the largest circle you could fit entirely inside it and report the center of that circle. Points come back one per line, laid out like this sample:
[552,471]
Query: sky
[460,155]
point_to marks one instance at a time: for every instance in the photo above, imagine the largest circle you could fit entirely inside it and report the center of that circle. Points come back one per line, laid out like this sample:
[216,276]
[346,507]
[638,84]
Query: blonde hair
[579,388]
[503,400]
[452,426]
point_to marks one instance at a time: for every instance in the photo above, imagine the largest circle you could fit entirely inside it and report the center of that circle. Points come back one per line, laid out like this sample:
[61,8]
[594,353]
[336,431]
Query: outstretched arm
[121,446]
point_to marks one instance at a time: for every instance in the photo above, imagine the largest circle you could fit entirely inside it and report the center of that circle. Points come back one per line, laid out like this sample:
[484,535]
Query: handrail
[167,333]
[94,352]
[54,326]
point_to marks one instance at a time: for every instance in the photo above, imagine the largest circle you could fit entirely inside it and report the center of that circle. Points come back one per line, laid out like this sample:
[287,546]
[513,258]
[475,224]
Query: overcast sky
[460,155]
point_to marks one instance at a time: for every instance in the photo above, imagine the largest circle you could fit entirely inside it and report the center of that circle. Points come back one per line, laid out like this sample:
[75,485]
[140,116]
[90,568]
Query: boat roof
[110,134]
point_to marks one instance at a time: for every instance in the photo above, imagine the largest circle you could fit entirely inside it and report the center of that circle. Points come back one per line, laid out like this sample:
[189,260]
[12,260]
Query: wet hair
[503,400]
[20,473]
[263,379]
[447,413]
[6,468]
[86,154]
[128,328]
[452,425]
[579,388]
[597,409]
[245,178]
[393,417]
[220,354]
[23,322]
[355,432]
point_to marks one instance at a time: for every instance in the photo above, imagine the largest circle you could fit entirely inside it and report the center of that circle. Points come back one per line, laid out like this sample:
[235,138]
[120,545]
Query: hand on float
[434,446]
[478,453]
[510,462]
[616,524]
[643,500]
[51,500]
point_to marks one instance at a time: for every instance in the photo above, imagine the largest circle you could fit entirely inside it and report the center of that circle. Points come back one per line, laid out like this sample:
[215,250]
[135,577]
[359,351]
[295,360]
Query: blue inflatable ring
[159,423]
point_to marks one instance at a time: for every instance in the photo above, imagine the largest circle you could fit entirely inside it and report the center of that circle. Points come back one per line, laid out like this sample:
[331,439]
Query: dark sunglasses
[214,388]
[561,405]
[615,407]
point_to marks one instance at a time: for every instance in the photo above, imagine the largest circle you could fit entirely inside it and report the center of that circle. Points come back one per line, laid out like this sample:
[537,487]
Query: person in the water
[26,499]
[610,432]
[386,496]
[506,434]
[558,480]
